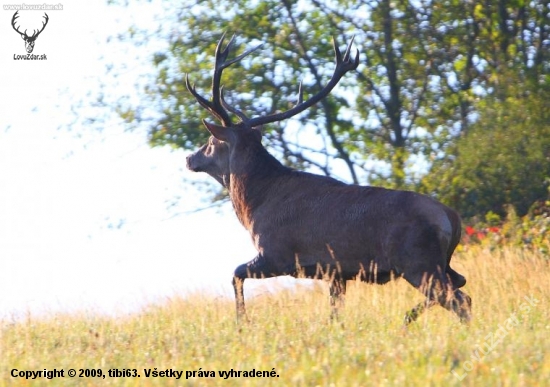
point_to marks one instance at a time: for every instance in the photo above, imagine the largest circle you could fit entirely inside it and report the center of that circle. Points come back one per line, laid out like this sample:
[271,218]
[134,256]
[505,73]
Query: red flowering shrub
[531,231]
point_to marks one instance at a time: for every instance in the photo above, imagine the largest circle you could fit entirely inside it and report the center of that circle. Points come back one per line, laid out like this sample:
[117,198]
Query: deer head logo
[29,40]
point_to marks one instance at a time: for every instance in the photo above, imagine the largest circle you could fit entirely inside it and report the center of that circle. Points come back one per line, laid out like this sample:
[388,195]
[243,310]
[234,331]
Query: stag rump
[304,224]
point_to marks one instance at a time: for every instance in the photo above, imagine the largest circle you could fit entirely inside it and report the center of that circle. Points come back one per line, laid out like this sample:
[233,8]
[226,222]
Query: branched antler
[216,106]
[344,64]
[219,107]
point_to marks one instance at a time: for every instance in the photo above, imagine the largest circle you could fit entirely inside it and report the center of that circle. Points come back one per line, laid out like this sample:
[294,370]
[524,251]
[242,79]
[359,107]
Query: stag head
[29,40]
[212,158]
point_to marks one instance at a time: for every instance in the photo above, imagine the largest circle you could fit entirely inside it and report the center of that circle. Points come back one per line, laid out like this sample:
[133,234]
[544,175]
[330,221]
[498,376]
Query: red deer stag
[309,225]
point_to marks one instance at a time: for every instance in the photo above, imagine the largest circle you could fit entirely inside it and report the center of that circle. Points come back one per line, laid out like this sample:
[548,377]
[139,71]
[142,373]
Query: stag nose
[190,164]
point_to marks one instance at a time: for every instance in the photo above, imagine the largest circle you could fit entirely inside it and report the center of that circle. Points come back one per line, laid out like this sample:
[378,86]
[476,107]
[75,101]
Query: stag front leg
[257,268]
[239,297]
[337,291]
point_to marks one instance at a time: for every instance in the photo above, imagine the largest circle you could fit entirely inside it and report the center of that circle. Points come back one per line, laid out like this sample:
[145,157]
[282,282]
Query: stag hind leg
[413,314]
[461,304]
[439,289]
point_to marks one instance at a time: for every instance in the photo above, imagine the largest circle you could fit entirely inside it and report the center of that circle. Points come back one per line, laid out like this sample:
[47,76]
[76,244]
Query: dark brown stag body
[309,225]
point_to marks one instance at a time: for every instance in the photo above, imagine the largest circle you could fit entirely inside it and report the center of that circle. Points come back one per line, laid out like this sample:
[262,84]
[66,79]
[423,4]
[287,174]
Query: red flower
[494,229]
[470,230]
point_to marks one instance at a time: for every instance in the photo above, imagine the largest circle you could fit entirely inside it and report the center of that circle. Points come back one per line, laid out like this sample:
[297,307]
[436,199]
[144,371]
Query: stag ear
[221,133]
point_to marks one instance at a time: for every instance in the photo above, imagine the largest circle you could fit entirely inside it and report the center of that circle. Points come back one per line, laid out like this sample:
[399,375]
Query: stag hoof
[412,315]
[409,318]
[465,317]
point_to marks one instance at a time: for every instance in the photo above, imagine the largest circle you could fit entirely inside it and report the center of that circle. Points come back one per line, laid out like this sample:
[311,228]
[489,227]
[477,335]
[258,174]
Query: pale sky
[63,195]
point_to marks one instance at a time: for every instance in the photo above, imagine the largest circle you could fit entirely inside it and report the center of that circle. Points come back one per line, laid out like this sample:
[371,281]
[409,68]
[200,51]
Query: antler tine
[220,57]
[218,106]
[200,99]
[343,65]
[300,94]
[238,58]
[222,63]
[221,54]
[345,62]
[232,109]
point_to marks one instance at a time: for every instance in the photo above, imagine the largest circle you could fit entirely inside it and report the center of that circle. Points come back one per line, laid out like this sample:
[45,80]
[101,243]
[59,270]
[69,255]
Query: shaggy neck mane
[254,173]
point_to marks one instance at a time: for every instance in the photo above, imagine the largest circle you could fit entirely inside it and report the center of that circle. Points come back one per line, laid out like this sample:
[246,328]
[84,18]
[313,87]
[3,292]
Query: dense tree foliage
[504,159]
[431,73]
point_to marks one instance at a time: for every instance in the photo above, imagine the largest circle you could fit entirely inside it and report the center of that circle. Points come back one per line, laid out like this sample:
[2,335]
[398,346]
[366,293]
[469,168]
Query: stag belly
[312,253]
[322,266]
[356,231]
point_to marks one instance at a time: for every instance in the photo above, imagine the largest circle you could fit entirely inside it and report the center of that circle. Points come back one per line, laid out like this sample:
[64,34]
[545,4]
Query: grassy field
[291,334]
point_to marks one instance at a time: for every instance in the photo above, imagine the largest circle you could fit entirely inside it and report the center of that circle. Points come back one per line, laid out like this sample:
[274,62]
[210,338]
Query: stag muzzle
[196,162]
[191,165]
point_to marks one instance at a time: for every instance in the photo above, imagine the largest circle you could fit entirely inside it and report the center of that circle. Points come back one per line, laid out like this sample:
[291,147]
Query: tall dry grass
[290,331]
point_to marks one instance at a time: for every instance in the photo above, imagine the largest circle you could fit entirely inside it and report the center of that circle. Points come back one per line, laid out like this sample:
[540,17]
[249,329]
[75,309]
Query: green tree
[504,159]
[395,107]
[427,67]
